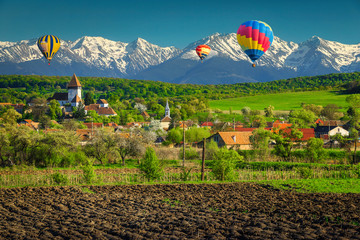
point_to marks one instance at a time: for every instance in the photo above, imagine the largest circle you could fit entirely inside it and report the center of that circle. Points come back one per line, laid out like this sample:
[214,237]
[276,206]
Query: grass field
[282,101]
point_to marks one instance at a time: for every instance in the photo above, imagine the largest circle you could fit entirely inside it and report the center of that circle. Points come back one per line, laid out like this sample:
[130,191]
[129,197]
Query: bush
[150,166]
[224,164]
[73,159]
[211,149]
[60,179]
[190,154]
[89,175]
[305,173]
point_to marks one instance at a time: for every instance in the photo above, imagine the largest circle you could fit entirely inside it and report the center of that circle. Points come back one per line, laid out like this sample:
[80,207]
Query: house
[207,124]
[338,130]
[326,131]
[85,134]
[19,107]
[234,140]
[72,97]
[101,111]
[103,103]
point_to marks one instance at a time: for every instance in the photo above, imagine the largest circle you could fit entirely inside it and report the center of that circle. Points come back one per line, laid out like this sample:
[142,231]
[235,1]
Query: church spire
[167,109]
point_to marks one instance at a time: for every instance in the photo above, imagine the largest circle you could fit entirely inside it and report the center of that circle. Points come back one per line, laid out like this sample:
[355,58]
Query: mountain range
[226,63]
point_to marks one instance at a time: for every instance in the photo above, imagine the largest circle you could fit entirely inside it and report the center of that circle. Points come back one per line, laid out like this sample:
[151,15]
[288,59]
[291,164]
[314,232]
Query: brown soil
[179,211]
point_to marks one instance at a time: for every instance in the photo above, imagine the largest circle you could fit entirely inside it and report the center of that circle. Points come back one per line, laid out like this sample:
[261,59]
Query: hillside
[281,101]
[21,88]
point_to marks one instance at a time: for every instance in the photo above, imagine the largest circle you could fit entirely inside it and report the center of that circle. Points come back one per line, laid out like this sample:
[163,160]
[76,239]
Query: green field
[282,101]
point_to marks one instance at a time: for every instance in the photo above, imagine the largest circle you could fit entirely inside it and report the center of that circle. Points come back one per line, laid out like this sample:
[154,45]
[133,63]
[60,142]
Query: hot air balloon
[202,51]
[255,38]
[48,45]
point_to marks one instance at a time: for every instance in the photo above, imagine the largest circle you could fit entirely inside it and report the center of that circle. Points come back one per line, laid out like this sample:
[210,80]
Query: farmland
[177,211]
[281,101]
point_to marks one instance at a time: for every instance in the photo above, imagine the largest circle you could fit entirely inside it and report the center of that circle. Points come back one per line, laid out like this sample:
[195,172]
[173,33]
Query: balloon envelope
[255,38]
[202,51]
[48,45]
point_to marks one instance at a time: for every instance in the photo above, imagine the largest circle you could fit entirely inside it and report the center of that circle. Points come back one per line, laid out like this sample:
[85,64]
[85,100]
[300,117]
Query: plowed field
[181,211]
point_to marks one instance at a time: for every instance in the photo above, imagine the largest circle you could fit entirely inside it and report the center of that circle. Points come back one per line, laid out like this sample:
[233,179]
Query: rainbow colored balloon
[202,51]
[255,38]
[48,45]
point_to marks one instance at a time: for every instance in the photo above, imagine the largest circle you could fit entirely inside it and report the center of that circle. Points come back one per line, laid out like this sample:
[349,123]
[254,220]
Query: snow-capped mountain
[226,63]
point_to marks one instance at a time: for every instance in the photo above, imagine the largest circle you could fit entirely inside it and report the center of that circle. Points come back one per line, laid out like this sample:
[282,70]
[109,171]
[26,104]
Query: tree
[269,111]
[150,166]
[284,142]
[315,150]
[260,140]
[5,150]
[196,134]
[246,111]
[224,164]
[10,116]
[175,135]
[302,118]
[55,110]
[39,108]
[331,111]
[89,98]
[79,111]
[101,146]
[130,144]
[140,107]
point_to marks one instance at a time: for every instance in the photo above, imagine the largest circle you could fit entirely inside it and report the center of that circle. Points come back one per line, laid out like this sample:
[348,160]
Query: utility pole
[234,124]
[183,144]
[203,161]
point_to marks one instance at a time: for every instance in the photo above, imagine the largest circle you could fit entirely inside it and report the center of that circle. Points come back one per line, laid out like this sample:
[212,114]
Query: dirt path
[182,211]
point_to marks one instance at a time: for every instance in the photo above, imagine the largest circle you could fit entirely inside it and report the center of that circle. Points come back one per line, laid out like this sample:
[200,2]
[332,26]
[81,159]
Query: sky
[177,22]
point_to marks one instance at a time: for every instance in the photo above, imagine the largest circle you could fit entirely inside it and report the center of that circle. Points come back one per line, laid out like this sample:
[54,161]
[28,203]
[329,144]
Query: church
[73,97]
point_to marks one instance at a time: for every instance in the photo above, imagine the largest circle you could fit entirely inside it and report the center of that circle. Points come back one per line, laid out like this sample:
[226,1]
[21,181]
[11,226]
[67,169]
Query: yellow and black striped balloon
[48,45]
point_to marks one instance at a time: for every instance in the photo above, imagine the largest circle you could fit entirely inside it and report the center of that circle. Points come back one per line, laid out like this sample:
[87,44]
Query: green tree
[39,108]
[79,111]
[302,118]
[284,143]
[331,111]
[150,166]
[175,135]
[224,164]
[315,150]
[89,98]
[10,116]
[260,140]
[269,111]
[129,144]
[55,110]
[196,134]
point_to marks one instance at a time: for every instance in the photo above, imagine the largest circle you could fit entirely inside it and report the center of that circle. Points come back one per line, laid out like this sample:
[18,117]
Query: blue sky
[177,23]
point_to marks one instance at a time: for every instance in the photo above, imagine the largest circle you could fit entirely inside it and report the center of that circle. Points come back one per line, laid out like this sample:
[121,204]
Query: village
[232,135]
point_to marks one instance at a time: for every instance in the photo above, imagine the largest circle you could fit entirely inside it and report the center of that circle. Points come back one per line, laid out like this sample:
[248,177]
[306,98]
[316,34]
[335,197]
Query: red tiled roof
[106,111]
[90,125]
[74,82]
[307,133]
[207,124]
[102,101]
[166,119]
[236,138]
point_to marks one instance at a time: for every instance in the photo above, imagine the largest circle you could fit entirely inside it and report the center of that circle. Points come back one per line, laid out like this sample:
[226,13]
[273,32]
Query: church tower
[167,109]
[74,90]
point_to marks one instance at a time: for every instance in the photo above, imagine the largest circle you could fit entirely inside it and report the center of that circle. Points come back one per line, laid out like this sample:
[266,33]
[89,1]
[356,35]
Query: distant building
[101,111]
[72,97]
[233,140]
[165,122]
